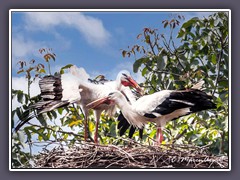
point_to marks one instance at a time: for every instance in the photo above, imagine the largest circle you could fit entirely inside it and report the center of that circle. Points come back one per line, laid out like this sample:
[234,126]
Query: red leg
[85,129]
[96,132]
[159,136]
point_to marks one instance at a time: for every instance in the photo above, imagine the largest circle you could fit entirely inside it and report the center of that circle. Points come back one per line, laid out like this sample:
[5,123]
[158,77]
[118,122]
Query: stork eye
[124,74]
[110,94]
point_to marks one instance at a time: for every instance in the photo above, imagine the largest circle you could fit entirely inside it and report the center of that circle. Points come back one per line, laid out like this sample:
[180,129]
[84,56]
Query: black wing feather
[131,131]
[194,99]
[51,95]
[123,125]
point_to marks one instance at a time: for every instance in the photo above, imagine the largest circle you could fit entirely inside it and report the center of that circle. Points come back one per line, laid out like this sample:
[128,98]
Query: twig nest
[89,155]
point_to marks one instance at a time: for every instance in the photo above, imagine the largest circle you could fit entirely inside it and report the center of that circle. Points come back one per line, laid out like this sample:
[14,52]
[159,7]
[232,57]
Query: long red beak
[98,102]
[135,85]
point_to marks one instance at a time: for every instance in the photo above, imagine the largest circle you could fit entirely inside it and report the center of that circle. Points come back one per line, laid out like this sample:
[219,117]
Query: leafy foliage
[200,52]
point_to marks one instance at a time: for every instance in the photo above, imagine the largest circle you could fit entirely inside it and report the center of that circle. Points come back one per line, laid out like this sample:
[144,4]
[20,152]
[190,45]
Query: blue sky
[92,40]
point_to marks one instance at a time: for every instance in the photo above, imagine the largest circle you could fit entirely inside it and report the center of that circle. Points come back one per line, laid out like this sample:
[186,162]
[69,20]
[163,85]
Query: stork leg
[159,136]
[97,118]
[85,124]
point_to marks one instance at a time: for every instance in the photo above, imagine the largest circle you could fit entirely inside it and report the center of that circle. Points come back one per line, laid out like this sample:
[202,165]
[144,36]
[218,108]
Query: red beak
[134,84]
[98,102]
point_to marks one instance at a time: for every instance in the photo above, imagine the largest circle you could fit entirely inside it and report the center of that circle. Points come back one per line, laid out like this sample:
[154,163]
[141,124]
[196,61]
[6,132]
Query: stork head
[111,98]
[126,80]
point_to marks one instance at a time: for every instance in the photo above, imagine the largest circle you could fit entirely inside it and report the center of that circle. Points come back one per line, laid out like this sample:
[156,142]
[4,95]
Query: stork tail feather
[123,125]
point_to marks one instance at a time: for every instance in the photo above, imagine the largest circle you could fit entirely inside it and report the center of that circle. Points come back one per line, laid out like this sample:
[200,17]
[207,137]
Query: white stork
[91,91]
[123,124]
[159,107]
[62,90]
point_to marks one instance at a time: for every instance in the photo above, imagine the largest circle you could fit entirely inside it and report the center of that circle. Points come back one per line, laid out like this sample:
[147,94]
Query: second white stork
[159,107]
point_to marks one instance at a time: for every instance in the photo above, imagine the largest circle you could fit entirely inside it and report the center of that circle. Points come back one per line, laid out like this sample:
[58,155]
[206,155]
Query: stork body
[93,91]
[159,107]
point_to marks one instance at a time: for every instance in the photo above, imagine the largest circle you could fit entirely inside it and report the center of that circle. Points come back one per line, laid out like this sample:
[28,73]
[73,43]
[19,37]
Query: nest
[135,155]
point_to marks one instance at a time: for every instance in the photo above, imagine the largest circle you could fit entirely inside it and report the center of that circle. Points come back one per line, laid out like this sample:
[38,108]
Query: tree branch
[60,131]
[218,73]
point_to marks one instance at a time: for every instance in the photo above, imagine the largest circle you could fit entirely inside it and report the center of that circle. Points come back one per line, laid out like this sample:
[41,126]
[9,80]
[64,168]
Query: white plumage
[91,92]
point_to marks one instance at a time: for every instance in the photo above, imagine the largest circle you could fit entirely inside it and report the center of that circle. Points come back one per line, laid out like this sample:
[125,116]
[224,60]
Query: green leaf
[20,96]
[181,33]
[189,23]
[61,71]
[42,120]
[147,39]
[65,136]
[138,64]
[113,130]
[31,128]
[214,59]
[40,138]
[160,62]
[144,71]
[60,110]
[20,71]
[54,114]
[19,112]
[67,66]
[42,71]
[204,50]
[195,62]
[26,130]
[26,97]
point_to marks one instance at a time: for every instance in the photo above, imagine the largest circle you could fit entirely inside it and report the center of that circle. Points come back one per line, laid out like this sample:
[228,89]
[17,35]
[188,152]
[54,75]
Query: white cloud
[22,47]
[189,15]
[91,28]
[20,83]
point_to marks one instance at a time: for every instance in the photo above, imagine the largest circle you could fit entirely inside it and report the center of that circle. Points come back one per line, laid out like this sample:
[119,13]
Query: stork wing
[166,102]
[123,125]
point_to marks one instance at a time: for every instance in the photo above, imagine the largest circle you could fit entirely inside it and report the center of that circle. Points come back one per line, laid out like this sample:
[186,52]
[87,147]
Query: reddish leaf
[46,57]
[32,61]
[124,53]
[40,65]
[165,25]
[20,71]
[138,48]
[138,36]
